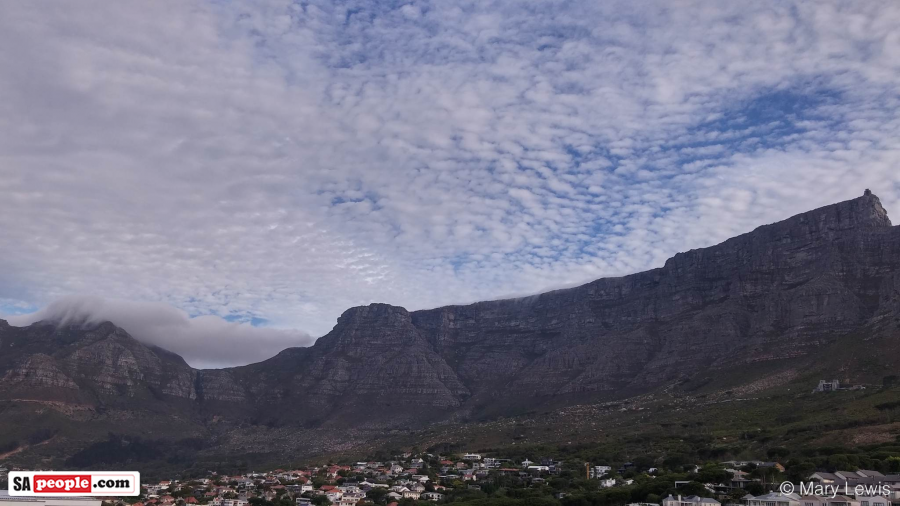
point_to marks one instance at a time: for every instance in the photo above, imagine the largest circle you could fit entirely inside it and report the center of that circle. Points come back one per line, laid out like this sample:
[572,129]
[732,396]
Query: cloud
[203,341]
[284,161]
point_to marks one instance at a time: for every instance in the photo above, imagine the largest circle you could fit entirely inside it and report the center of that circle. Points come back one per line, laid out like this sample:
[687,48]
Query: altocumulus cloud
[203,341]
[286,160]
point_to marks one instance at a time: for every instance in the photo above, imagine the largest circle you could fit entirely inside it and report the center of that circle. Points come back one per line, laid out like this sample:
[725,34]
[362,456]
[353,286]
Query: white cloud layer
[284,161]
[204,341]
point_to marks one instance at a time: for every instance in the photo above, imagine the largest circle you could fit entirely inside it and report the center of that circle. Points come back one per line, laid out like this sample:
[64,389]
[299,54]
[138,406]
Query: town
[481,480]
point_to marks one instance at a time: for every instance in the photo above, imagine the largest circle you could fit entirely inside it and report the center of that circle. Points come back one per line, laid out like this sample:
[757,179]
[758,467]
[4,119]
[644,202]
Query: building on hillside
[828,386]
[773,499]
[878,500]
[691,500]
[599,471]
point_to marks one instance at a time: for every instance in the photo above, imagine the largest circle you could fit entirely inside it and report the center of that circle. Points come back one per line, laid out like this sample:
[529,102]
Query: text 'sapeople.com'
[75,483]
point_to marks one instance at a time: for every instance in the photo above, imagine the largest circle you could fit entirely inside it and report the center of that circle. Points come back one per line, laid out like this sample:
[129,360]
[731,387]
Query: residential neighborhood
[423,478]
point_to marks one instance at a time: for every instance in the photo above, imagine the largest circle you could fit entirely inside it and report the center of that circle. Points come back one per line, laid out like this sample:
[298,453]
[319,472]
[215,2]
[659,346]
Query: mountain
[769,300]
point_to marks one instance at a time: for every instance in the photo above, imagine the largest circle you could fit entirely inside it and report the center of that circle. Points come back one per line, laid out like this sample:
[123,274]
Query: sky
[236,174]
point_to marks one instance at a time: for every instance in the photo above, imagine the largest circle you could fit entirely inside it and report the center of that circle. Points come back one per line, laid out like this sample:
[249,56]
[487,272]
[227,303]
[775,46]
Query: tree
[778,452]
[377,495]
[754,488]
[320,500]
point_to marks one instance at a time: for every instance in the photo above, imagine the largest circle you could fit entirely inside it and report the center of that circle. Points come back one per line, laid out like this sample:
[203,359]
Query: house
[304,501]
[609,482]
[878,500]
[432,496]
[828,386]
[826,478]
[412,494]
[394,496]
[841,500]
[472,456]
[691,500]
[773,499]
[739,479]
[598,471]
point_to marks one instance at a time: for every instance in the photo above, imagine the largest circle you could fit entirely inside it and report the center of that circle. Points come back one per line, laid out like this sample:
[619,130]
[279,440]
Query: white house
[773,499]
[598,471]
[691,500]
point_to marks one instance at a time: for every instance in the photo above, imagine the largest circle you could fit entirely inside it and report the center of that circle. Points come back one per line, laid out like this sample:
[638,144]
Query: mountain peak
[862,212]
[374,311]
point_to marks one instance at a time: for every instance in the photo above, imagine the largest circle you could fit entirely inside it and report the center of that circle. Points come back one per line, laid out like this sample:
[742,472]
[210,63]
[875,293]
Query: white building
[773,499]
[691,500]
[598,471]
[828,386]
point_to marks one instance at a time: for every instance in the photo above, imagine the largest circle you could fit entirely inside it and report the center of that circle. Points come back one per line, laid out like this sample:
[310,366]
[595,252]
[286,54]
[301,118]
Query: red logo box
[62,483]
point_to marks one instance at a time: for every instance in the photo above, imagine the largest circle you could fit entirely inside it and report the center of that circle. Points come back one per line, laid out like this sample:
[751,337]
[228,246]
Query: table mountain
[777,294]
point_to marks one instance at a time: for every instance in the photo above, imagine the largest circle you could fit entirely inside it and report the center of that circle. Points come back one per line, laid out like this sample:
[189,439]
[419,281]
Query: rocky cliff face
[87,364]
[781,291]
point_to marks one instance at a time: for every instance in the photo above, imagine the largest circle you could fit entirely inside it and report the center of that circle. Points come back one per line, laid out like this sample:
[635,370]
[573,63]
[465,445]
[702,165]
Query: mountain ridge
[770,298]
